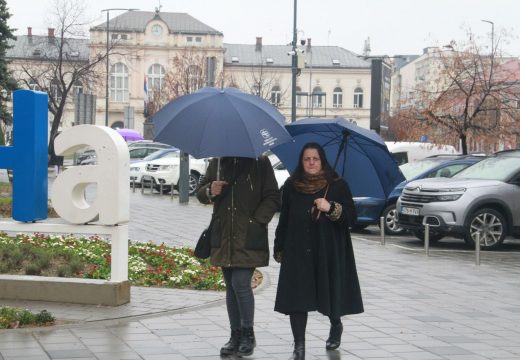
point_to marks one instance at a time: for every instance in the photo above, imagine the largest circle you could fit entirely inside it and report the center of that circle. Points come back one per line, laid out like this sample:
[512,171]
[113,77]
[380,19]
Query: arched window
[155,79]
[317,97]
[298,97]
[358,97]
[276,95]
[119,83]
[337,98]
[77,88]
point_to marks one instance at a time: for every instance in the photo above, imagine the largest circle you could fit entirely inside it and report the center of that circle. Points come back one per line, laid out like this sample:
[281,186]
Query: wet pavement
[416,307]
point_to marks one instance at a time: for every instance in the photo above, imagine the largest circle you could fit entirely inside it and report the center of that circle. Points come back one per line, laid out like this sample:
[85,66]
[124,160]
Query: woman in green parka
[318,270]
[245,198]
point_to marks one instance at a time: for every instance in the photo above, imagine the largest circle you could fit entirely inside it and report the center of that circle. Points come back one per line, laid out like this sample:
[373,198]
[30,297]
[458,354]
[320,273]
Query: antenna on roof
[158,8]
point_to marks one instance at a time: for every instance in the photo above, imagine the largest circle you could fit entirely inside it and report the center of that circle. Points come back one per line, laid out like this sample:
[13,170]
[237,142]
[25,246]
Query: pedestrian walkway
[416,307]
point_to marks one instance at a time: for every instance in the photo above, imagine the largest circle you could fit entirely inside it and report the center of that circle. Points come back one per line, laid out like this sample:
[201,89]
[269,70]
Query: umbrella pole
[218,169]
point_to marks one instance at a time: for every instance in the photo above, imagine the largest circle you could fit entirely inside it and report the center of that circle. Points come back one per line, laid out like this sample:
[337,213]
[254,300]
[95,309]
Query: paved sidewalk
[441,307]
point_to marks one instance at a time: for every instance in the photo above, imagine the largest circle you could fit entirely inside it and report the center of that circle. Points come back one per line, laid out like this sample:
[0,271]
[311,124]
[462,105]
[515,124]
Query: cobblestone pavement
[416,307]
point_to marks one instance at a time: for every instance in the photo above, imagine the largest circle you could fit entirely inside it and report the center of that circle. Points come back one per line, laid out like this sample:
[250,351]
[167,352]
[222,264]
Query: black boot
[247,342]
[299,350]
[334,339]
[231,347]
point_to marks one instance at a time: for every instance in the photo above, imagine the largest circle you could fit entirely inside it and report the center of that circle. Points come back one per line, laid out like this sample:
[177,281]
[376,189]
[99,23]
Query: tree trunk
[463,144]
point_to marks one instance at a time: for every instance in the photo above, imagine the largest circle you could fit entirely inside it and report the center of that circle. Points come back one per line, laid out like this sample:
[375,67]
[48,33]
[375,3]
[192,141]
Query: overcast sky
[394,26]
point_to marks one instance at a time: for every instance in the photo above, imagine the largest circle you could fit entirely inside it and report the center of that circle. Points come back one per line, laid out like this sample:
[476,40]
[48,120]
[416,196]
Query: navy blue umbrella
[357,154]
[215,122]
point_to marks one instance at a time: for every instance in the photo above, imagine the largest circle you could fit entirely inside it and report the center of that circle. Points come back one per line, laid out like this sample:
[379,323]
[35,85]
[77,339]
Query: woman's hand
[322,204]
[216,187]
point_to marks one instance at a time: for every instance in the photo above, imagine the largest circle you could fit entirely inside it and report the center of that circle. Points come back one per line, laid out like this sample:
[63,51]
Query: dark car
[430,167]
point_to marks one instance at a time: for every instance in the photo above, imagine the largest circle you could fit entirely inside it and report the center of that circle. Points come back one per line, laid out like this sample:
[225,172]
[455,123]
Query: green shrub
[15,317]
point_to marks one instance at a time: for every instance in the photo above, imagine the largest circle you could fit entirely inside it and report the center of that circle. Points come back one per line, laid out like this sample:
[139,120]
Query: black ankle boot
[247,342]
[231,347]
[334,339]
[299,350]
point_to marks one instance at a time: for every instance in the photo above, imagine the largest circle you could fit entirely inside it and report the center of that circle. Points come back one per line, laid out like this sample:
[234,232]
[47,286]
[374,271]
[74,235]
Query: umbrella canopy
[130,134]
[215,122]
[358,154]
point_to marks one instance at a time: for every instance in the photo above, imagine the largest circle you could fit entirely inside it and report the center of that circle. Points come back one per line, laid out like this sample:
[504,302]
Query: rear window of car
[411,170]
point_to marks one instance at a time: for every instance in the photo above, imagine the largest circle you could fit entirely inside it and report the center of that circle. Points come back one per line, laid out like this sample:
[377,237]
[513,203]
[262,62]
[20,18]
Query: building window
[195,78]
[198,39]
[119,83]
[276,96]
[34,86]
[155,79]
[337,98]
[55,90]
[189,39]
[298,97]
[77,88]
[358,97]
[317,97]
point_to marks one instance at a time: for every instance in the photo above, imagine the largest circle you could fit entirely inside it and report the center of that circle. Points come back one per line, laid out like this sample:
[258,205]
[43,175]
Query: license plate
[409,211]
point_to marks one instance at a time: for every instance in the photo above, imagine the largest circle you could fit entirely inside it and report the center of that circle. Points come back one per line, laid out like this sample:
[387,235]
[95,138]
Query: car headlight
[448,197]
[452,190]
[166,167]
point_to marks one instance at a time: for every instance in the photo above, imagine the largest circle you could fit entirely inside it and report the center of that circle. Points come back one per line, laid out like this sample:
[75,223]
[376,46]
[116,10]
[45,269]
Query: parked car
[405,152]
[138,167]
[480,202]
[165,171]
[430,167]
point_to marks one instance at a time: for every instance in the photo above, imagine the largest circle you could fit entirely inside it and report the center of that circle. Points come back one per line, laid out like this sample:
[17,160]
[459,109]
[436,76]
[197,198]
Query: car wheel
[391,227]
[489,225]
[434,235]
[194,182]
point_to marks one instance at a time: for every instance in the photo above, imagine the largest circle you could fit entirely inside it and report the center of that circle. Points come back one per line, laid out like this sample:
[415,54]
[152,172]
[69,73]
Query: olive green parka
[243,210]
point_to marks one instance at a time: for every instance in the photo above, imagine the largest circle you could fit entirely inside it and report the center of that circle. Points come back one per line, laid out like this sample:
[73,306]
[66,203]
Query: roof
[136,21]
[43,47]
[318,57]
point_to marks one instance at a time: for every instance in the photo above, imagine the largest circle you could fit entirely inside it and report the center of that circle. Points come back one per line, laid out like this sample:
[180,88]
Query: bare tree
[474,97]
[63,65]
[264,81]
[188,73]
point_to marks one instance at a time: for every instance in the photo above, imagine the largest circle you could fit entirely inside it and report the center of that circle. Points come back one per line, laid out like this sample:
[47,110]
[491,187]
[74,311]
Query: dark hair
[330,174]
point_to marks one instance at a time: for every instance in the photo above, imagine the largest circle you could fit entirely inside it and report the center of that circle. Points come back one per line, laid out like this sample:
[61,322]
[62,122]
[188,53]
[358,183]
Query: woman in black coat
[318,270]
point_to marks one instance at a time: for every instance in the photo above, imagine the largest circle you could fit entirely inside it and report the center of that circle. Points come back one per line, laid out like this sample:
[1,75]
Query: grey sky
[394,26]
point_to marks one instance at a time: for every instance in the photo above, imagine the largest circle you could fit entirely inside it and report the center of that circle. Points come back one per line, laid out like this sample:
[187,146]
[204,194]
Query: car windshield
[496,168]
[412,169]
[158,154]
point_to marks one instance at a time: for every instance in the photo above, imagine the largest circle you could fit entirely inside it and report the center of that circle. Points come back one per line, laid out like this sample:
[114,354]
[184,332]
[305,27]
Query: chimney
[258,43]
[309,44]
[29,31]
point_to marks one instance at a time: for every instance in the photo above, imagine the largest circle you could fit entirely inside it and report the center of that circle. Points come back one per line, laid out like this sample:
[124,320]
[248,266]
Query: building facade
[156,56]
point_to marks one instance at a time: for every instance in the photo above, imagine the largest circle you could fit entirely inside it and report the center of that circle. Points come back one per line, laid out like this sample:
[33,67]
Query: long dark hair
[330,174]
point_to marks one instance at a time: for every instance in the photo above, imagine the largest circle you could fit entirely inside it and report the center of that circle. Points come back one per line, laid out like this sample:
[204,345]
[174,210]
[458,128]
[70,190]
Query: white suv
[165,171]
[480,202]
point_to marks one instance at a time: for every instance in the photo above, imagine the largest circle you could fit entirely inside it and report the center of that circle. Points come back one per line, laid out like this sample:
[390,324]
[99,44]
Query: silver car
[482,201]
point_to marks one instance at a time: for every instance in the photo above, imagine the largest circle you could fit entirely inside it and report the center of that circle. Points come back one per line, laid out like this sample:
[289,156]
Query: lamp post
[492,35]
[294,67]
[108,62]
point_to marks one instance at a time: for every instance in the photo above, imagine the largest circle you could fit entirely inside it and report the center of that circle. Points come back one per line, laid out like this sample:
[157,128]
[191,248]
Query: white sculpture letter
[111,174]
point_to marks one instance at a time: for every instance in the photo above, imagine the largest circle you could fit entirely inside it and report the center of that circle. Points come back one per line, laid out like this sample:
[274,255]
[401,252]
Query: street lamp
[108,62]
[294,67]
[492,34]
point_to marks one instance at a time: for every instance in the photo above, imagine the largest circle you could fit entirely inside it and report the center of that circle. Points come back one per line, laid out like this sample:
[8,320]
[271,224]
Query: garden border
[81,291]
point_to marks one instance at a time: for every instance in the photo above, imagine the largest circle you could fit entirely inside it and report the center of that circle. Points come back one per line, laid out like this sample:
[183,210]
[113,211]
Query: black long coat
[318,270]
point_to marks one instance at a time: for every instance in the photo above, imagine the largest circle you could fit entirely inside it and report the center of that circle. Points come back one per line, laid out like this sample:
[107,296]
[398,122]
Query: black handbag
[203,247]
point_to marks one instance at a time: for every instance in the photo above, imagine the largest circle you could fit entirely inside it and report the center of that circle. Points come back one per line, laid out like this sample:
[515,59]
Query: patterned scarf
[311,184]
